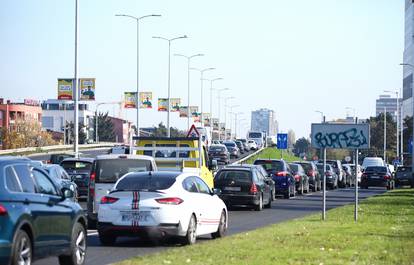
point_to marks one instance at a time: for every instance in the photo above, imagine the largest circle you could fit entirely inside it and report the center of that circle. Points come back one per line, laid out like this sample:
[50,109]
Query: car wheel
[22,249]
[301,189]
[77,247]
[260,206]
[106,240]
[191,236]
[222,228]
[269,204]
[315,187]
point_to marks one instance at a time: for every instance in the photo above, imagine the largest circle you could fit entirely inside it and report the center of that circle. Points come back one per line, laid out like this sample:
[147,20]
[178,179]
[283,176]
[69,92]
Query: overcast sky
[294,57]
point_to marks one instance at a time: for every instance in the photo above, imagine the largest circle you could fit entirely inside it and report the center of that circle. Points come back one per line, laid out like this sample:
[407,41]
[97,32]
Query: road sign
[340,136]
[193,132]
[282,141]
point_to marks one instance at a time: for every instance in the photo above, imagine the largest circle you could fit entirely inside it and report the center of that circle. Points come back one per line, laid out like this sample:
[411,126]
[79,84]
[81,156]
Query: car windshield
[306,166]
[270,165]
[229,144]
[133,182]
[110,170]
[320,167]
[76,165]
[376,170]
[234,175]
[216,148]
[294,167]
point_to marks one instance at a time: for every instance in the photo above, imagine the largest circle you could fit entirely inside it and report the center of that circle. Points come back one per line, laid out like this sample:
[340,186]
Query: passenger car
[350,175]
[331,177]
[280,172]
[61,178]
[378,176]
[57,158]
[240,146]
[243,185]
[232,148]
[161,204]
[36,218]
[79,169]
[337,167]
[252,144]
[313,174]
[301,179]
[106,171]
[120,149]
[372,161]
[220,153]
[403,176]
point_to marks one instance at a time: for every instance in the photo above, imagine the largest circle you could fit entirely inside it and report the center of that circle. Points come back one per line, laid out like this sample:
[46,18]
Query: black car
[220,153]
[377,176]
[337,167]
[268,180]
[331,177]
[243,185]
[57,158]
[301,179]
[240,146]
[245,146]
[403,176]
[311,170]
[79,169]
[281,174]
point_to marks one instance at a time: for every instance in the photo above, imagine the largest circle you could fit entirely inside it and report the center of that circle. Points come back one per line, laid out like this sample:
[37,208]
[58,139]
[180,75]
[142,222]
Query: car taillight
[3,210]
[328,173]
[281,174]
[92,184]
[108,200]
[387,177]
[253,188]
[170,201]
[297,177]
[311,173]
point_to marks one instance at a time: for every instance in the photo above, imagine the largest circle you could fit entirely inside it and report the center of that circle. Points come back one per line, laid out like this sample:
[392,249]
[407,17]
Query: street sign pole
[356,181]
[324,186]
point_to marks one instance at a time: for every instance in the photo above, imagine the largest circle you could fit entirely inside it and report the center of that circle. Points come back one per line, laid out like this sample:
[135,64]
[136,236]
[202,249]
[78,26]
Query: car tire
[77,247]
[222,228]
[301,189]
[269,204]
[22,248]
[107,240]
[191,237]
[315,187]
[260,206]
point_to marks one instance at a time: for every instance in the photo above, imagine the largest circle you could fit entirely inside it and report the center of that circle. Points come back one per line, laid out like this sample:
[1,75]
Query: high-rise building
[388,103]
[407,109]
[264,120]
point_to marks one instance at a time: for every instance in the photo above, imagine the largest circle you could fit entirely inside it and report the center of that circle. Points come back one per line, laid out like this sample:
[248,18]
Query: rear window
[320,167]
[236,175]
[294,167]
[133,182]
[270,166]
[376,169]
[216,148]
[110,170]
[76,165]
[404,169]
[230,144]
[166,153]
[255,135]
[306,166]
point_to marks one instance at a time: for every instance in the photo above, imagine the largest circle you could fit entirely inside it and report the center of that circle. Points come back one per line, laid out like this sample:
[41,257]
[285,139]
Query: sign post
[340,136]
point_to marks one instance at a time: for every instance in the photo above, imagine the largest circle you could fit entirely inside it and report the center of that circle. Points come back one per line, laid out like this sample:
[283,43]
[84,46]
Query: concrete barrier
[247,157]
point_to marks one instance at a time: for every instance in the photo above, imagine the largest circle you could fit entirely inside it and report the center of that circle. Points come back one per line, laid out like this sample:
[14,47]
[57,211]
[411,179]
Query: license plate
[232,188]
[134,216]
[375,177]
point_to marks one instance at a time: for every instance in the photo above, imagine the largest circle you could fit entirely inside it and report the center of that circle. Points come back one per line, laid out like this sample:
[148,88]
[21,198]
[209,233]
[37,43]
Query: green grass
[384,234]
[273,153]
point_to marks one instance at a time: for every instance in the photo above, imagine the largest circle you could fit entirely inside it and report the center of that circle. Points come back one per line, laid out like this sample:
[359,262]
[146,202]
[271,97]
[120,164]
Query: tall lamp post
[225,115]
[236,114]
[397,93]
[211,100]
[169,76]
[137,20]
[75,85]
[412,113]
[219,98]
[201,87]
[188,83]
[385,134]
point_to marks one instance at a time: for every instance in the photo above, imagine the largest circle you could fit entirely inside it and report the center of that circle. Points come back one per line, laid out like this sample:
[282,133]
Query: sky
[293,57]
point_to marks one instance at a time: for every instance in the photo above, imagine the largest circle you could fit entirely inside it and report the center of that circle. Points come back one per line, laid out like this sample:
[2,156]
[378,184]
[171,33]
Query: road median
[384,234]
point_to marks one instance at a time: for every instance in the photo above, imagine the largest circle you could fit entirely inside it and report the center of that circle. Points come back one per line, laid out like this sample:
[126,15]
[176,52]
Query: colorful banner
[145,100]
[194,111]
[86,89]
[175,104]
[65,88]
[130,100]
[207,118]
[183,112]
[163,104]
[197,118]
[215,122]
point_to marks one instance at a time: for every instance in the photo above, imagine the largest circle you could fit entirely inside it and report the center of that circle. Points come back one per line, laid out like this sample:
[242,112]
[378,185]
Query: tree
[105,128]
[161,131]
[302,146]
[81,133]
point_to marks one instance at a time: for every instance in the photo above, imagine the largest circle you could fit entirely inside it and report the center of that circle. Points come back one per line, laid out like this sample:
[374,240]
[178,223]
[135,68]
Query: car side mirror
[213,164]
[217,192]
[67,193]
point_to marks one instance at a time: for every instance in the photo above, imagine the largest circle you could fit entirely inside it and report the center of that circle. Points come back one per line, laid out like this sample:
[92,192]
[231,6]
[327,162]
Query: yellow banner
[65,89]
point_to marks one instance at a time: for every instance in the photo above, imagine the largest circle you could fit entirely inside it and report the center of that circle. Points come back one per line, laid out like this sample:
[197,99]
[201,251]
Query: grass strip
[384,234]
[273,153]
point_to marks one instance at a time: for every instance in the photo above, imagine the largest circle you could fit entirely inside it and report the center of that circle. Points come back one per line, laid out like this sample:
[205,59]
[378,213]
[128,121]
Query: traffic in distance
[155,189]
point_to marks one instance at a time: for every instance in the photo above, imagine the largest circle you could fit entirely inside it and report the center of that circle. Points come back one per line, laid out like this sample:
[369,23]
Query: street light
[231,112]
[322,115]
[202,92]
[211,99]
[75,84]
[137,19]
[188,85]
[169,76]
[218,97]
[225,115]
[397,118]
[235,123]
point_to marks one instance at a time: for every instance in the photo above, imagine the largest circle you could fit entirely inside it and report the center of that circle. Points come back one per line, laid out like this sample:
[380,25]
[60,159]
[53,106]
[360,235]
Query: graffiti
[352,138]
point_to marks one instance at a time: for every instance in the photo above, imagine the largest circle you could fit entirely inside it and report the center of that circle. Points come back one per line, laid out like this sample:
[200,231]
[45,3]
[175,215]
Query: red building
[122,130]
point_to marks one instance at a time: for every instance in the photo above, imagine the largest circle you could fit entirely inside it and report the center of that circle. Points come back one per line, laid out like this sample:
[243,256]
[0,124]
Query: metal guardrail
[53,148]
[247,157]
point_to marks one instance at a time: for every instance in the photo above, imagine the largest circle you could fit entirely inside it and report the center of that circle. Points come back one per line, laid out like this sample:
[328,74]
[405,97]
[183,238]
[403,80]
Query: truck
[186,154]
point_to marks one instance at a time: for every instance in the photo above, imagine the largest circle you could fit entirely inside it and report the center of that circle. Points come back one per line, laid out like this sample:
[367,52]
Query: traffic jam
[156,188]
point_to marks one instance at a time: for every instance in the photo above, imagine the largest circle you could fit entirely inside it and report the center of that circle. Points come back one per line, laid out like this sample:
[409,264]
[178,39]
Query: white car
[161,204]
[252,144]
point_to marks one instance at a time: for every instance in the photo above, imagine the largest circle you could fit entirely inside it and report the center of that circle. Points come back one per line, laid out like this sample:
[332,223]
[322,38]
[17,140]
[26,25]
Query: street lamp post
[75,84]
[219,98]
[225,115]
[235,123]
[211,100]
[202,92]
[397,118]
[231,122]
[137,19]
[188,83]
[385,134]
[169,77]
[322,115]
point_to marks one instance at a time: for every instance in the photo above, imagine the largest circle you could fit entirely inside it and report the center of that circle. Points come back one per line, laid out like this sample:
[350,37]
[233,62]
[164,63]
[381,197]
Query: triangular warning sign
[193,132]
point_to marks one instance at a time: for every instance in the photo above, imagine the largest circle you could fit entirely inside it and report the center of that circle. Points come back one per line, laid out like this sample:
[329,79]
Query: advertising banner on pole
[197,118]
[175,104]
[340,136]
[183,112]
[86,88]
[130,100]
[194,111]
[215,122]
[163,104]
[207,118]
[145,100]
[65,88]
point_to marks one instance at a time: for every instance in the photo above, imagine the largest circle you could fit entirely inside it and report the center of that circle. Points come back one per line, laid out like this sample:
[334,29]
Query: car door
[196,203]
[54,215]
[264,187]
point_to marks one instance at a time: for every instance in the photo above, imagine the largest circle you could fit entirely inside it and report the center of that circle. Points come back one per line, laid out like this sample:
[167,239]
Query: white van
[373,161]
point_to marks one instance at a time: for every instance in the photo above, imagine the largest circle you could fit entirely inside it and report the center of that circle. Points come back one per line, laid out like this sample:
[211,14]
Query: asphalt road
[240,220]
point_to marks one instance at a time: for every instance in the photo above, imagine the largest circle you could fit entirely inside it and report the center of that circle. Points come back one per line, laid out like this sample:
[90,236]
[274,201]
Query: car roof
[246,167]
[217,145]
[124,156]
[10,159]
[80,159]
[172,174]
